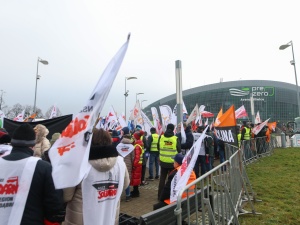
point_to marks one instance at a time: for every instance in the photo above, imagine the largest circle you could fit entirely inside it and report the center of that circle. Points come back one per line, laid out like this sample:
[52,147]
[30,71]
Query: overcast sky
[229,40]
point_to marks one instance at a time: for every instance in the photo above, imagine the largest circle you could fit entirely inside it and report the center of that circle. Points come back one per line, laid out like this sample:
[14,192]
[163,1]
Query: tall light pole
[142,103]
[126,91]
[45,62]
[137,95]
[293,63]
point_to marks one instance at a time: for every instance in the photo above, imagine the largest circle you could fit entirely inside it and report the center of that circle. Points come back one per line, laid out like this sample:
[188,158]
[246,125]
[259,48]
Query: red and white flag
[241,112]
[257,118]
[69,154]
[136,112]
[156,121]
[258,128]
[182,176]
[53,112]
[20,116]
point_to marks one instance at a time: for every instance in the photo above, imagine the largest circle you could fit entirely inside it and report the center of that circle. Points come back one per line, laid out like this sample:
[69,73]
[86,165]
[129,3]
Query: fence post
[283,141]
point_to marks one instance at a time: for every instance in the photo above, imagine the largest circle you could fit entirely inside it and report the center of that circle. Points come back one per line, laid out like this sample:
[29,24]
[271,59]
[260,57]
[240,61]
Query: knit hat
[114,134]
[125,130]
[138,134]
[170,126]
[55,136]
[138,127]
[152,130]
[4,138]
[24,135]
[178,158]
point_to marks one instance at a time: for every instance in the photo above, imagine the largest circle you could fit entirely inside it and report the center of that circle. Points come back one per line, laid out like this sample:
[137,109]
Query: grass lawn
[276,181]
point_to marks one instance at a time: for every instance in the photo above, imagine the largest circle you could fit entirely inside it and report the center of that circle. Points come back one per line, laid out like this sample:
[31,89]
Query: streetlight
[142,103]
[126,91]
[137,95]
[36,79]
[293,63]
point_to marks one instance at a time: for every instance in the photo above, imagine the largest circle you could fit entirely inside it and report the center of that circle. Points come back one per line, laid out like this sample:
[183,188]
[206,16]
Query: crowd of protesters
[20,153]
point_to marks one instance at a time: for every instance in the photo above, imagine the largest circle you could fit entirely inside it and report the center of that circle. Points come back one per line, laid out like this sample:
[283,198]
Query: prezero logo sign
[256,91]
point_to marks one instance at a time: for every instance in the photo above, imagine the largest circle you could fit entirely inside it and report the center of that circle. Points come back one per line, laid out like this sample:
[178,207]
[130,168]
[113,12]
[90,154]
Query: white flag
[69,154]
[147,123]
[183,135]
[166,115]
[136,112]
[182,176]
[193,115]
[257,118]
[258,128]
[53,112]
[156,120]
[20,116]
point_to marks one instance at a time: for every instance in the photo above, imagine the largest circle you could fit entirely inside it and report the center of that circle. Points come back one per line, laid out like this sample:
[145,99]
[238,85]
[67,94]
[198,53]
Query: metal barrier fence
[227,187]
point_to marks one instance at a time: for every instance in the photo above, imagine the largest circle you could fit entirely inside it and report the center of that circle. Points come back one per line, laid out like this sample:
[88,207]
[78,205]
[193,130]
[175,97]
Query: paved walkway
[143,204]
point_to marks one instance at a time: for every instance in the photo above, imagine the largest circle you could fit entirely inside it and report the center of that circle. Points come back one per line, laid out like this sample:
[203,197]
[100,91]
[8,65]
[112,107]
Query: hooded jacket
[42,143]
[102,158]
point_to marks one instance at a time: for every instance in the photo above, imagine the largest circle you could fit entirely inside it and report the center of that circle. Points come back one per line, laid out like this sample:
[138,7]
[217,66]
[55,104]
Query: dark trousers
[163,178]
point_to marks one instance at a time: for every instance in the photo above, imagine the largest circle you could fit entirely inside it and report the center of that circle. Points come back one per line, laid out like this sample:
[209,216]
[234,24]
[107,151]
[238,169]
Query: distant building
[273,99]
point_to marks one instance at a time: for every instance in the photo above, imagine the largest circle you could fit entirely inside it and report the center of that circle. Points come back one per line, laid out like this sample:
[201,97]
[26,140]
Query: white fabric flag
[258,128]
[53,112]
[124,149]
[206,122]
[156,120]
[166,115]
[184,108]
[183,135]
[136,112]
[147,123]
[193,115]
[241,112]
[182,176]
[20,116]
[122,121]
[257,118]
[69,154]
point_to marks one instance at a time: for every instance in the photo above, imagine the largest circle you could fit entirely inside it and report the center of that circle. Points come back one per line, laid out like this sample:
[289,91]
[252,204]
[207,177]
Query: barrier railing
[227,187]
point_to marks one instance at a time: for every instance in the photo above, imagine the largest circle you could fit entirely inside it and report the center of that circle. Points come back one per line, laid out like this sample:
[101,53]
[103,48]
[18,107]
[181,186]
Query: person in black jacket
[44,204]
[185,146]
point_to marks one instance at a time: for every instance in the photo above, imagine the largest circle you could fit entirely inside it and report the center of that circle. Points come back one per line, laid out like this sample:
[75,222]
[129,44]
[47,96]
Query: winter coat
[136,173]
[129,158]
[73,196]
[43,201]
[189,139]
[169,133]
[41,142]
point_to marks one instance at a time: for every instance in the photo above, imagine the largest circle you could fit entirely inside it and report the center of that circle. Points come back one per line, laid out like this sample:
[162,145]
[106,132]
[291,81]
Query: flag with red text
[69,154]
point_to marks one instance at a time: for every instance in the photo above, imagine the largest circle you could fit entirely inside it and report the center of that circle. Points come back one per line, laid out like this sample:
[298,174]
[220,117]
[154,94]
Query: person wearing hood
[129,158]
[168,146]
[42,144]
[98,196]
[136,173]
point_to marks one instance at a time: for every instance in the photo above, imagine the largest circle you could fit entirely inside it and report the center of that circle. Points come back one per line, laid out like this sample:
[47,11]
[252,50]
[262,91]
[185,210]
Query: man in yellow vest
[154,154]
[168,146]
[165,195]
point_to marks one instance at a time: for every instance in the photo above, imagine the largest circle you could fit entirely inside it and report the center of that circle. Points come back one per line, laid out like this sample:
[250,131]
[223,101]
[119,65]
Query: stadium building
[273,99]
